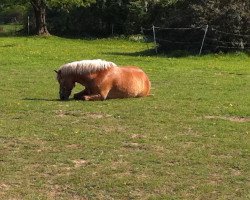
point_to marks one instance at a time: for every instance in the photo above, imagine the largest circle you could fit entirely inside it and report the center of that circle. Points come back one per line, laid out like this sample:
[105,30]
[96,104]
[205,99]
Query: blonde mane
[85,66]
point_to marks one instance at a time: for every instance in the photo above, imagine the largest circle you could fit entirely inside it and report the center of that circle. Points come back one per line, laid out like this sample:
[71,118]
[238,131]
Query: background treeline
[115,17]
[108,17]
[128,16]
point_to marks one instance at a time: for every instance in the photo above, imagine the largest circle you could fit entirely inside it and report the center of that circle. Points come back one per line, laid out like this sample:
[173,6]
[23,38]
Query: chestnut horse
[102,80]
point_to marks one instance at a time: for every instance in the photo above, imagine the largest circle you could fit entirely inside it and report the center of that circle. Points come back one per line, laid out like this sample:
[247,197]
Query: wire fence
[195,39]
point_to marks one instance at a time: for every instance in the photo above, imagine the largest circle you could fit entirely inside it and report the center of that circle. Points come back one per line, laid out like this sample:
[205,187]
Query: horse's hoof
[85,98]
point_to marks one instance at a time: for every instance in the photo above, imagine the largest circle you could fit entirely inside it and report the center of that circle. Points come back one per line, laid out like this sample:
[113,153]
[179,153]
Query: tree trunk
[39,7]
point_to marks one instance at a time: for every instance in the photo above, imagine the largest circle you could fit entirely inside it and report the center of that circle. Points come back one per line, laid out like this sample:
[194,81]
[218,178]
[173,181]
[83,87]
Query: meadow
[190,140]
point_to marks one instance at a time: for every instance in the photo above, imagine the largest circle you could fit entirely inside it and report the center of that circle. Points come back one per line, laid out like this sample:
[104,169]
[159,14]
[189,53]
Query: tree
[99,19]
[228,22]
[40,6]
[13,13]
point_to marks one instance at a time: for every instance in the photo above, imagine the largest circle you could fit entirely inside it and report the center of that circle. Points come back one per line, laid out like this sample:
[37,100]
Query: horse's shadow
[44,99]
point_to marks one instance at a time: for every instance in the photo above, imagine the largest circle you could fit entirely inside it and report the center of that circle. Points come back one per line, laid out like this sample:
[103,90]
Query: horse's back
[139,79]
[129,81]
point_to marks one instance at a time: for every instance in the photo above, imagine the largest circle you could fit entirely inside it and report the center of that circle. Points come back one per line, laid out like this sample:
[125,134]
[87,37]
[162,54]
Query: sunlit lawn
[188,141]
[9,29]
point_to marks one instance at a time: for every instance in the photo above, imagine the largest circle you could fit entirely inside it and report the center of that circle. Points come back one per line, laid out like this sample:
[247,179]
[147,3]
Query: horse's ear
[56,71]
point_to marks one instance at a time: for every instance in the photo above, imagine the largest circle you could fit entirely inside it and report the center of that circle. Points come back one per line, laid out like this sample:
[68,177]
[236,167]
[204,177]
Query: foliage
[228,16]
[94,20]
[188,141]
[107,17]
[14,13]
[66,4]
[40,6]
[231,17]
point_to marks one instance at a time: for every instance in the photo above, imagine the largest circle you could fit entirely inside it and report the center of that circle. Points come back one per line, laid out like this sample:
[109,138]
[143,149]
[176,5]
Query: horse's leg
[95,97]
[102,96]
[79,95]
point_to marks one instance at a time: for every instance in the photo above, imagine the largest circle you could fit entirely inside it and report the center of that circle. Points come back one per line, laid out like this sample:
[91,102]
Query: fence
[196,39]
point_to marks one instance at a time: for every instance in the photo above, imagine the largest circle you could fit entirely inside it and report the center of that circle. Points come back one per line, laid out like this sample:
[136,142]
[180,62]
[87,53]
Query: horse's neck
[86,79]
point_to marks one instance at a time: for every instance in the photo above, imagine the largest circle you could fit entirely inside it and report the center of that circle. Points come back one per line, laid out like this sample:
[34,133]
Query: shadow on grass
[44,99]
[151,52]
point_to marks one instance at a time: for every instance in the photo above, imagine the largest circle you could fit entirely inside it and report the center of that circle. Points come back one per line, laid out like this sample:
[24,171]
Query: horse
[102,80]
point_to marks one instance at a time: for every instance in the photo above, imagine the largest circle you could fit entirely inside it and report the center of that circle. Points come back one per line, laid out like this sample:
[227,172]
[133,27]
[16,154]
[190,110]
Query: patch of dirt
[158,148]
[236,172]
[139,194]
[215,179]
[122,174]
[4,187]
[112,128]
[74,146]
[58,192]
[54,192]
[221,156]
[63,113]
[131,145]
[142,177]
[97,115]
[188,145]
[137,136]
[93,115]
[190,132]
[230,118]
[134,145]
[119,164]
[80,163]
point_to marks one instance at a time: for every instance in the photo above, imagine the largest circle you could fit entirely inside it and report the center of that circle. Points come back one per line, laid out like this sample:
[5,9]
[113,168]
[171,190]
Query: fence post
[28,24]
[112,29]
[15,21]
[141,30]
[203,39]
[154,39]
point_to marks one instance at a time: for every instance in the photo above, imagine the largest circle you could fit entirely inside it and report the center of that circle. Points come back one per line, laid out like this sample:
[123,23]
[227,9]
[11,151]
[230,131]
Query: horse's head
[66,85]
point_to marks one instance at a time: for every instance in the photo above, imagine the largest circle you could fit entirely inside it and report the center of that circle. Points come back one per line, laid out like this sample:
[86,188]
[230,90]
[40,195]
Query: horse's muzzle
[64,98]
[64,95]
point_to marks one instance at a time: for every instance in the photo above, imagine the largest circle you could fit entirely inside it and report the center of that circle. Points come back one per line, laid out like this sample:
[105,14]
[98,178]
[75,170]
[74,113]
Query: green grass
[188,141]
[9,29]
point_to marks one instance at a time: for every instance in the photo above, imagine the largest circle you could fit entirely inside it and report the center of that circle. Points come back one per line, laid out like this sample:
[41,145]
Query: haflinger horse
[102,80]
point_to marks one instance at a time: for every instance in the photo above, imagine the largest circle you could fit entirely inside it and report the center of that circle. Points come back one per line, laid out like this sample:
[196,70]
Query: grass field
[9,29]
[188,141]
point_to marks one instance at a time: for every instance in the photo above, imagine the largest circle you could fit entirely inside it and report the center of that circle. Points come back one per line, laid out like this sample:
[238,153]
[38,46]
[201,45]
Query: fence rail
[211,37]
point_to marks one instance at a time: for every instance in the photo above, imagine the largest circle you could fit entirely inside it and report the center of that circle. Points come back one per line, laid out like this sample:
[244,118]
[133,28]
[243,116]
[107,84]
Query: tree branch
[33,3]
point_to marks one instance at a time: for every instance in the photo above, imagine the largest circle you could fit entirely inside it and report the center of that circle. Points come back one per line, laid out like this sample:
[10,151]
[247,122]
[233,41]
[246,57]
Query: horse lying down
[102,80]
